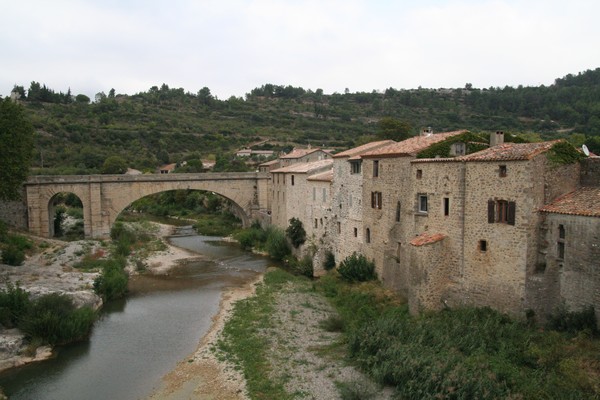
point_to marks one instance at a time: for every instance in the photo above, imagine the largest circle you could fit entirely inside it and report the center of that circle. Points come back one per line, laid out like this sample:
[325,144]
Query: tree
[82,98]
[295,232]
[16,136]
[391,128]
[114,165]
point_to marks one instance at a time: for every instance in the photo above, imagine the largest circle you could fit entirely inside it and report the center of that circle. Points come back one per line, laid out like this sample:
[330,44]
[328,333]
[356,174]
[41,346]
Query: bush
[13,304]
[303,266]
[20,242]
[356,268]
[112,282]
[11,255]
[276,244]
[295,232]
[329,262]
[54,319]
[573,321]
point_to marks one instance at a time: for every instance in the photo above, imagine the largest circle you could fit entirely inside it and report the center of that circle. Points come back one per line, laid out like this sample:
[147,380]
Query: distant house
[167,168]
[269,165]
[304,156]
[250,152]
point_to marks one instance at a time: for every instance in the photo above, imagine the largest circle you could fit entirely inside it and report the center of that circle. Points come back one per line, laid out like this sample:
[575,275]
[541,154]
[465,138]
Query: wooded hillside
[166,124]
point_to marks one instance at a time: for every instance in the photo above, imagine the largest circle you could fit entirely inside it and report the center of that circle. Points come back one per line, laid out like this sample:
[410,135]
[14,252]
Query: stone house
[347,199]
[568,272]
[303,156]
[293,195]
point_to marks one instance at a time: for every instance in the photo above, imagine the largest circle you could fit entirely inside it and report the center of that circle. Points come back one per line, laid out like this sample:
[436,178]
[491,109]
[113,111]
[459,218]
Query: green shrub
[356,268]
[20,242]
[54,319]
[14,301]
[11,255]
[112,282]
[276,244]
[329,262]
[295,232]
[255,237]
[303,266]
[573,321]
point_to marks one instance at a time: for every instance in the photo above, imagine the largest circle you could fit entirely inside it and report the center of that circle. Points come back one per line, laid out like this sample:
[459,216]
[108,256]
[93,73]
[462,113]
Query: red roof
[510,152]
[427,238]
[303,168]
[356,151]
[410,147]
[326,176]
[298,153]
[584,201]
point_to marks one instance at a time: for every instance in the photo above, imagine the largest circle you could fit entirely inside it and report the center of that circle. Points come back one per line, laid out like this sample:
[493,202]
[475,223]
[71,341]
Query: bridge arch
[104,197]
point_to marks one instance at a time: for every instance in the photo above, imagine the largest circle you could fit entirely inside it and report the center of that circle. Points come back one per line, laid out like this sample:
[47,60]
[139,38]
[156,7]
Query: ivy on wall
[563,153]
[474,142]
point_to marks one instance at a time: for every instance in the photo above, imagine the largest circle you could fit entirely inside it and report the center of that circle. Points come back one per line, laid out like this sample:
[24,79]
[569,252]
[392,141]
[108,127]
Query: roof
[303,168]
[298,153]
[410,147]
[168,167]
[357,151]
[584,201]
[268,163]
[427,238]
[510,152]
[326,176]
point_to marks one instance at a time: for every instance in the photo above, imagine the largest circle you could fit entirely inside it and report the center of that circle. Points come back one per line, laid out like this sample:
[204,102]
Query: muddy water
[139,339]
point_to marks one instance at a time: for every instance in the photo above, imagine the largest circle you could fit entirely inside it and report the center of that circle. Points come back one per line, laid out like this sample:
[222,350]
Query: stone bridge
[104,197]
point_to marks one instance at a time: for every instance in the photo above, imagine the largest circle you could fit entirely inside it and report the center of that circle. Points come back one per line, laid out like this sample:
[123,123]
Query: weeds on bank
[243,344]
[461,353]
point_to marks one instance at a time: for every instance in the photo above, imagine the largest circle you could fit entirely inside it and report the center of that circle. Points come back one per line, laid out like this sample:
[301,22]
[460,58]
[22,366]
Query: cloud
[234,46]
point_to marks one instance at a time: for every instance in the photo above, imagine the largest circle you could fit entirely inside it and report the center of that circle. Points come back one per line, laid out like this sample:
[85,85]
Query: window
[375,168]
[501,211]
[355,167]
[355,232]
[339,226]
[324,194]
[314,194]
[560,243]
[422,203]
[419,173]
[483,245]
[398,212]
[398,252]
[446,206]
[368,235]
[502,171]
[458,149]
[292,180]
[376,200]
[316,223]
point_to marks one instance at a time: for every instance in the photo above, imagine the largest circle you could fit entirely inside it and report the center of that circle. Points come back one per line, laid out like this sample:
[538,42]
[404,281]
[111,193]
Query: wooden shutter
[491,211]
[512,209]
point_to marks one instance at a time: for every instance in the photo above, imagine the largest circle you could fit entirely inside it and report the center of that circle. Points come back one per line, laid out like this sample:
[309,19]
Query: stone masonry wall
[590,171]
[14,213]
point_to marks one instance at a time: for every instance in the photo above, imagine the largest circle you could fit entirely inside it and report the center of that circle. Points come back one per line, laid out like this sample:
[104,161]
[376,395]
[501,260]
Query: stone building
[507,227]
[347,199]
[303,156]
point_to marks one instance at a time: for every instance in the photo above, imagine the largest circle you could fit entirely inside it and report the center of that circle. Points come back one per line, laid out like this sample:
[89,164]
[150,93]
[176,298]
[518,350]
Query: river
[139,339]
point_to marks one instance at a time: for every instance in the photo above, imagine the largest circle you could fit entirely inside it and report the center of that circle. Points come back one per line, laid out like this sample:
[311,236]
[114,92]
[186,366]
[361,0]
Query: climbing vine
[563,153]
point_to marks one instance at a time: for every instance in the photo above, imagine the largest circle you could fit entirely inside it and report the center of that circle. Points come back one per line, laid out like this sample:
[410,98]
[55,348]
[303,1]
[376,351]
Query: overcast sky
[233,46]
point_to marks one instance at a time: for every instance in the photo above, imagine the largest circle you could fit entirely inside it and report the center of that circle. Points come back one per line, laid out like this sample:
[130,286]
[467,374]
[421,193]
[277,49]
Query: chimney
[496,138]
[427,131]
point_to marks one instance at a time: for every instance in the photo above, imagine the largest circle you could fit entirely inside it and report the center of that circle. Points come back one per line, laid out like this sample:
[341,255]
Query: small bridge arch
[104,197]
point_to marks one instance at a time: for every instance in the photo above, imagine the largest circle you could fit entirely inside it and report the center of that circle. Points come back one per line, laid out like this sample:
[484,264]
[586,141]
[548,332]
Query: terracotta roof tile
[584,201]
[303,168]
[510,152]
[297,153]
[410,147]
[427,238]
[268,163]
[326,176]
[357,151]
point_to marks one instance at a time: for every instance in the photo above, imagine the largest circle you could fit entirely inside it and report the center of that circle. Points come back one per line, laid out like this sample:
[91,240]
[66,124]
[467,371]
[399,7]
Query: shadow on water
[139,339]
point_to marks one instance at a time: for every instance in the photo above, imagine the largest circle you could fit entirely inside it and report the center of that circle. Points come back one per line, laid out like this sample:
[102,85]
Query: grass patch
[461,353]
[242,341]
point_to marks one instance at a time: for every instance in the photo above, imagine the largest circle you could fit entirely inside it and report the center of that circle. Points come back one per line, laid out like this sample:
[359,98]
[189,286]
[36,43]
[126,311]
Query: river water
[139,339]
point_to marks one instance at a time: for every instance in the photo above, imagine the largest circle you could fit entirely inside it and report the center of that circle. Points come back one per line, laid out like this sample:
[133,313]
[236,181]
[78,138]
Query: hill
[170,125]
